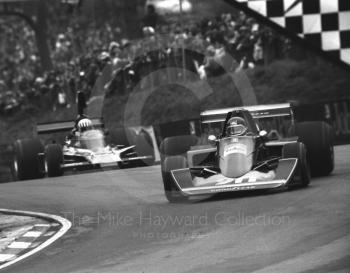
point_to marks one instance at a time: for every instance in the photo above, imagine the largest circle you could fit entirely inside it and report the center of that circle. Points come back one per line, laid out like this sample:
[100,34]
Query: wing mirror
[212,139]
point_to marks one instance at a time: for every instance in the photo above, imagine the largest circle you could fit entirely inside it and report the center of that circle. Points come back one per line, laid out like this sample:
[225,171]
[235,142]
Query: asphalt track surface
[122,223]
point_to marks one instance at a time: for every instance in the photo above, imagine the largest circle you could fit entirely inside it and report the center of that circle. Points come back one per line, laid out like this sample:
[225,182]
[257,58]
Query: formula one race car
[247,153]
[86,151]
[83,148]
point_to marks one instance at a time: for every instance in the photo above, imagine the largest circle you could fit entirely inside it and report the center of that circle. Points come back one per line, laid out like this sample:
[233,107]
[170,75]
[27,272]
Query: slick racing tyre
[27,163]
[53,160]
[177,145]
[144,147]
[318,139]
[302,173]
[173,156]
[172,193]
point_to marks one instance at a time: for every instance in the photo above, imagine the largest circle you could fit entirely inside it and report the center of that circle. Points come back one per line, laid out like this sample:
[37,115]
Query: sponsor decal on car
[236,148]
[235,188]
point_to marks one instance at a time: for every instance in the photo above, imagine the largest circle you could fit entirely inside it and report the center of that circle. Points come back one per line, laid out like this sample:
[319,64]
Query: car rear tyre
[26,163]
[53,160]
[172,192]
[318,139]
[302,172]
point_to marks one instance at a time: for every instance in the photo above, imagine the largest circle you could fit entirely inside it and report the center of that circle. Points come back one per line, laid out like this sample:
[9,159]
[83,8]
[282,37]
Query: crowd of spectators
[79,55]
[208,48]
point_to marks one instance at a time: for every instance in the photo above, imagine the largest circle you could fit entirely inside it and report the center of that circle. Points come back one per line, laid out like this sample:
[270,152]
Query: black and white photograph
[178,136]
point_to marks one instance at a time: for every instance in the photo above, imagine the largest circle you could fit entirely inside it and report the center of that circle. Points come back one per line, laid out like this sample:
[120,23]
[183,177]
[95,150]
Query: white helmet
[84,124]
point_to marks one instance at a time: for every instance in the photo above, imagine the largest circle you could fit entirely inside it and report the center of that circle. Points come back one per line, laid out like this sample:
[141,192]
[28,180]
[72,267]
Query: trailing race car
[85,151]
[247,153]
[84,148]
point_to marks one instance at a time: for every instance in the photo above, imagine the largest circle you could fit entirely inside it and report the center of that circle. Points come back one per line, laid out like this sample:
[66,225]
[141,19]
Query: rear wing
[257,112]
[63,126]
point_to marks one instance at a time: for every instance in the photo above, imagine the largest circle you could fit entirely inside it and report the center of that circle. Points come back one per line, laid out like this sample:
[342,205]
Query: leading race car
[248,154]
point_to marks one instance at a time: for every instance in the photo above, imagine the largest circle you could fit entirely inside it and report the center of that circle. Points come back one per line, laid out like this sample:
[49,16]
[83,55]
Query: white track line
[66,225]
[23,245]
[32,234]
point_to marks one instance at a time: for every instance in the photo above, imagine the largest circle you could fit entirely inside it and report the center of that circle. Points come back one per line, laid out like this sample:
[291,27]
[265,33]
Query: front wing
[284,174]
[79,159]
[72,165]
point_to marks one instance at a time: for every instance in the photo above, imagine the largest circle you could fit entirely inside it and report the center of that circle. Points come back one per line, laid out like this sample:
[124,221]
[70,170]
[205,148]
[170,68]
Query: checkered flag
[323,23]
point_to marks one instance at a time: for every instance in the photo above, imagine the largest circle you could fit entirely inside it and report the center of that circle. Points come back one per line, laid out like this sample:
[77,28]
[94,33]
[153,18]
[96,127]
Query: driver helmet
[236,126]
[84,125]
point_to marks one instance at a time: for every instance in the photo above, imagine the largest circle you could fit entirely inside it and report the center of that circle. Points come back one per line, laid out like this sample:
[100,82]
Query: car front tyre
[144,147]
[302,174]
[172,193]
[53,160]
